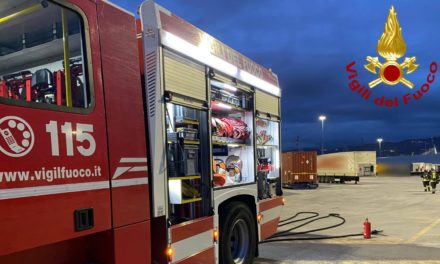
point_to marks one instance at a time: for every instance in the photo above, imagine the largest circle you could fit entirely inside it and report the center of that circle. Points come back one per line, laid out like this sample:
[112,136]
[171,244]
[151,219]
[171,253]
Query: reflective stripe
[121,170]
[52,189]
[129,182]
[271,214]
[133,160]
[140,168]
[192,245]
[205,257]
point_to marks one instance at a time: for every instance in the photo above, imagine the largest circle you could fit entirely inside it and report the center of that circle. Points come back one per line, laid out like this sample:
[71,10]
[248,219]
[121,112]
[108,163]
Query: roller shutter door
[184,77]
[267,103]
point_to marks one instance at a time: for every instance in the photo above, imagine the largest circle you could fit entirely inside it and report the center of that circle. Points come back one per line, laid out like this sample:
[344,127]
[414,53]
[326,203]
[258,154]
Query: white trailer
[346,166]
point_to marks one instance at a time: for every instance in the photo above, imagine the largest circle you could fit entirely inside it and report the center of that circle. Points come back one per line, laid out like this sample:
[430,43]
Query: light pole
[379,140]
[322,118]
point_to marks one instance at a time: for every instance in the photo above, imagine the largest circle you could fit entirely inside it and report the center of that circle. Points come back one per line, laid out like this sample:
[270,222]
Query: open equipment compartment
[268,144]
[232,127]
[186,162]
[268,147]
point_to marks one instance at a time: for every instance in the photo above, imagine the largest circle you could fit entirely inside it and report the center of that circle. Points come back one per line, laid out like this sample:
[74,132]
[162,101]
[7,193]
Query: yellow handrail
[23,12]
[67,77]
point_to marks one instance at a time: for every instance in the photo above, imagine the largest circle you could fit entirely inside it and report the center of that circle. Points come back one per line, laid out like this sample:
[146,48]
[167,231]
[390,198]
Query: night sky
[308,43]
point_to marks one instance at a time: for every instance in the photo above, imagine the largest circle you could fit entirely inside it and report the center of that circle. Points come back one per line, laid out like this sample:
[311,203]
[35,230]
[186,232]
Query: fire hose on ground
[287,235]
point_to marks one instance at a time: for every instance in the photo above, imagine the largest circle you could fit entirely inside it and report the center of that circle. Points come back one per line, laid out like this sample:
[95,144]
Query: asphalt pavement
[408,217]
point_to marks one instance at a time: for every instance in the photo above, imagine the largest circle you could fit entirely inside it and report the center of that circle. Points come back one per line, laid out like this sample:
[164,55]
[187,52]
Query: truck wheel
[238,238]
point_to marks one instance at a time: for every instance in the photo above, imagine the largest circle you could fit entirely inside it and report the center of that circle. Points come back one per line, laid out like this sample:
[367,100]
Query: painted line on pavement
[423,231]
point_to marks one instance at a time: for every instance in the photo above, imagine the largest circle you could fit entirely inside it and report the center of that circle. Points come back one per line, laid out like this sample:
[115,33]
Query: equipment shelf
[229,144]
[187,122]
[188,142]
[269,146]
[182,178]
[185,201]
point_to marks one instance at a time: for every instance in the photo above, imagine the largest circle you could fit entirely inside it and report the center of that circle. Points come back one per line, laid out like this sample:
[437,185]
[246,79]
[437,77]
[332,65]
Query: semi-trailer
[346,166]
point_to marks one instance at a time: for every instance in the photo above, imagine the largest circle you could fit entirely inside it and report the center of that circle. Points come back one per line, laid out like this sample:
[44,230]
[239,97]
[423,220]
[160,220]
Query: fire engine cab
[125,141]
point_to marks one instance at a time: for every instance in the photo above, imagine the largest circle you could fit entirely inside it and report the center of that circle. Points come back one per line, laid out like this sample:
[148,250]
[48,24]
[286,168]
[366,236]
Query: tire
[238,238]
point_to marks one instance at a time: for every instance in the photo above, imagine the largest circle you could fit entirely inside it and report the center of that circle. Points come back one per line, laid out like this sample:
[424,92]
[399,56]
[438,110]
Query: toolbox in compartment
[187,133]
[185,113]
[183,160]
[189,155]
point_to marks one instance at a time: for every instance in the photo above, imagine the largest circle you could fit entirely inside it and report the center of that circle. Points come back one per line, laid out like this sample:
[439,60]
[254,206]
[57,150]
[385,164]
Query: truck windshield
[42,57]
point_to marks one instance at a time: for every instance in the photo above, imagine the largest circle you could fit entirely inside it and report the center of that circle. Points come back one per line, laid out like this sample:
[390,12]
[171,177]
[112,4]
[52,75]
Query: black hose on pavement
[286,235]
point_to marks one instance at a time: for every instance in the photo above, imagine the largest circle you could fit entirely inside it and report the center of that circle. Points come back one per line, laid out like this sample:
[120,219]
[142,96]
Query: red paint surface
[124,110]
[391,73]
[205,257]
[269,228]
[270,203]
[132,244]
[97,247]
[130,203]
[191,228]
[32,222]
[49,219]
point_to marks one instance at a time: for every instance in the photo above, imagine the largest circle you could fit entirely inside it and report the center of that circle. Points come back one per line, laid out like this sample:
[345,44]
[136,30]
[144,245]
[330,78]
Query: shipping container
[346,166]
[299,168]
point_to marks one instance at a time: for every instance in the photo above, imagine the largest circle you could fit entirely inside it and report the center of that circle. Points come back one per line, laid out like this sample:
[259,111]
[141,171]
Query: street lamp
[322,118]
[379,140]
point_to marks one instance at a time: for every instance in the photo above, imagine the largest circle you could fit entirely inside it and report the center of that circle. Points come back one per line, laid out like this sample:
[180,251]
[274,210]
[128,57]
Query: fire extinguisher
[367,229]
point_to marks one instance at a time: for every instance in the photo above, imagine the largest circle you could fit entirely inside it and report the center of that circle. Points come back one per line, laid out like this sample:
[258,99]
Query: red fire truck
[125,141]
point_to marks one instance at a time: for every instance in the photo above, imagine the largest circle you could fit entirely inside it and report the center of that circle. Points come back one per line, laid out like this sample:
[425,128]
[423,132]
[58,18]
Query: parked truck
[126,142]
[346,166]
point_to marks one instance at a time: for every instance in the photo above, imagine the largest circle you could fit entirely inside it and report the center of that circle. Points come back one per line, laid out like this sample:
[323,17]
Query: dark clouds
[308,43]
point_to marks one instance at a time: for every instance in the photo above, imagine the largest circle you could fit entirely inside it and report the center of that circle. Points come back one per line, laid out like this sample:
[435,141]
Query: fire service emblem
[391,47]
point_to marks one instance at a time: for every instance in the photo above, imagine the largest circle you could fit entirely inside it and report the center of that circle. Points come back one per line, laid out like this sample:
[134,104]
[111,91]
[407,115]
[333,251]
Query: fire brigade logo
[16,137]
[391,47]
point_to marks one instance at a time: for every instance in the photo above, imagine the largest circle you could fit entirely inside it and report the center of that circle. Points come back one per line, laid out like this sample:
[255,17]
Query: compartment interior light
[222,105]
[277,159]
[223,86]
